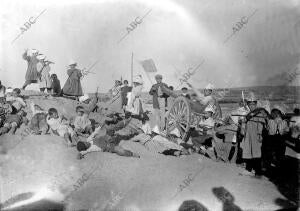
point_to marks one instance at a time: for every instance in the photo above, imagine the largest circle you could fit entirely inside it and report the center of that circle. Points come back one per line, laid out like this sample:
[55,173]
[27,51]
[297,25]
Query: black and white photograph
[149,105]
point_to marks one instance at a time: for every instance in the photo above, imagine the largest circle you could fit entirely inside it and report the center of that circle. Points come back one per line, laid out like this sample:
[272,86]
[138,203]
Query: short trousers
[62,130]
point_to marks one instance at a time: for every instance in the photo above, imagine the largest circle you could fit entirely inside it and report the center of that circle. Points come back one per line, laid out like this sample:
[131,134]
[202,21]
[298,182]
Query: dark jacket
[154,92]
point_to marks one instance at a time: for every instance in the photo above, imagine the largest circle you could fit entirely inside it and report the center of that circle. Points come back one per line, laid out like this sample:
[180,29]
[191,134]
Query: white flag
[148,66]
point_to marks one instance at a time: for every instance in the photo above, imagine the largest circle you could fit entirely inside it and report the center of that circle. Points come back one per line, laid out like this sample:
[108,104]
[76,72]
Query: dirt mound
[44,166]
[41,172]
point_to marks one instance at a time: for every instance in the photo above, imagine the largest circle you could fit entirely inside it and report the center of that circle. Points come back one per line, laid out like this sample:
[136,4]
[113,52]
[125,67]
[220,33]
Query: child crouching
[60,126]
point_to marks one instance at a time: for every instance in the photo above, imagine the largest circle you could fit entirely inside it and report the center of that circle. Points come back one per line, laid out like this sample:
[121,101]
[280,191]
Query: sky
[176,34]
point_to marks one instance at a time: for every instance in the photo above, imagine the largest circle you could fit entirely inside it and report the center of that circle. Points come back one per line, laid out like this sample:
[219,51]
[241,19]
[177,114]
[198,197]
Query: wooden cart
[183,115]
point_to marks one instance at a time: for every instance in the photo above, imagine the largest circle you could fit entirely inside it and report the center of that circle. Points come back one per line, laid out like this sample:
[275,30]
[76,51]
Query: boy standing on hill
[158,101]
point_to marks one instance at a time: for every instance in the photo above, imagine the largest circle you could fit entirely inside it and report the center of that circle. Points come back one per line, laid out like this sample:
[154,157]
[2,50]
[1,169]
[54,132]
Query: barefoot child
[82,123]
[59,125]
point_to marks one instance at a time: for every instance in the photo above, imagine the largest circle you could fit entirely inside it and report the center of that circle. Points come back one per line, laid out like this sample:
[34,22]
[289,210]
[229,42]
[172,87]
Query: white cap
[209,86]
[138,79]
[156,129]
[175,132]
[251,97]
[72,62]
[31,52]
[84,98]
[9,90]
[210,108]
[41,57]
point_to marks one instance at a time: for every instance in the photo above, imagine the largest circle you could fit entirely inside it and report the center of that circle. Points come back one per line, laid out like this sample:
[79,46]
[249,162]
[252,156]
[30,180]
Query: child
[204,139]
[105,141]
[38,123]
[55,85]
[12,121]
[16,101]
[274,144]
[59,125]
[82,123]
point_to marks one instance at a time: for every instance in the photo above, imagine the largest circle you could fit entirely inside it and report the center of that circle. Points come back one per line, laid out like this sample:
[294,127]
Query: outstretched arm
[25,56]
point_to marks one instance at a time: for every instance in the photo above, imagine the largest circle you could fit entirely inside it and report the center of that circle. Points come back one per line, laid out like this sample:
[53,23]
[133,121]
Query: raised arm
[25,56]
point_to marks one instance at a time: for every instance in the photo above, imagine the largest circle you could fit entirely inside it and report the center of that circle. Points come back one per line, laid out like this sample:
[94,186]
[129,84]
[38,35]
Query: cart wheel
[179,117]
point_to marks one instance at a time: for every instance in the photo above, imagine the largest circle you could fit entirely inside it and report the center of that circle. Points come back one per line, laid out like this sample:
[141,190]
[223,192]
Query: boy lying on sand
[104,139]
[105,143]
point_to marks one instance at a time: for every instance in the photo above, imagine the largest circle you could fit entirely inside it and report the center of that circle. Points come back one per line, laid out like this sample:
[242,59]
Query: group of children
[78,131]
[12,113]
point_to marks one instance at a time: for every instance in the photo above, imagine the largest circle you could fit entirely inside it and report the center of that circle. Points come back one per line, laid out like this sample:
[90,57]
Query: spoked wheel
[179,117]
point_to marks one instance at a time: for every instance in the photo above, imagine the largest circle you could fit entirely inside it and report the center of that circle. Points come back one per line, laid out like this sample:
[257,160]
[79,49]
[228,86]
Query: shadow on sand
[286,180]
[226,198]
[192,205]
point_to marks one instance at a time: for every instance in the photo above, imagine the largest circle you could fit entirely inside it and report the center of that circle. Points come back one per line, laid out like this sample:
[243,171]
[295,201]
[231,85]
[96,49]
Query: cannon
[184,114]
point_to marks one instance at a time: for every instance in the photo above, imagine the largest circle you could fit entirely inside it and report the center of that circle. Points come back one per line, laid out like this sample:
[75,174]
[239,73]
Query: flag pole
[132,69]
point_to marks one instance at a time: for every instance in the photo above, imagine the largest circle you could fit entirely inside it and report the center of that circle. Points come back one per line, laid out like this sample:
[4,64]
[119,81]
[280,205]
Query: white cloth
[84,98]
[138,79]
[17,102]
[2,92]
[157,144]
[59,126]
[45,80]
[239,111]
[81,122]
[134,104]
[209,86]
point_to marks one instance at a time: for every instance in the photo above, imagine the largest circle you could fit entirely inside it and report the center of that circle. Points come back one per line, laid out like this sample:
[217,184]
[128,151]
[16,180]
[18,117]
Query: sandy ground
[41,173]
[153,182]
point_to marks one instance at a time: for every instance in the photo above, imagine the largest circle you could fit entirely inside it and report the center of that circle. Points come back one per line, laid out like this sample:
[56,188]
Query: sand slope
[148,183]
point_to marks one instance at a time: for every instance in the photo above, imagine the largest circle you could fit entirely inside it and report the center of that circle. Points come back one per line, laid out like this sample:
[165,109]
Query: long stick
[132,69]
[243,97]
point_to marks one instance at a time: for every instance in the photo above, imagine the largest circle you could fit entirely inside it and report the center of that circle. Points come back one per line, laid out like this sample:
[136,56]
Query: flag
[148,66]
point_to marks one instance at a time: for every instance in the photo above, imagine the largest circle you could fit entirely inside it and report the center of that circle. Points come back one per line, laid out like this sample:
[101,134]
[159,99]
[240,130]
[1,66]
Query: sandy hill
[41,173]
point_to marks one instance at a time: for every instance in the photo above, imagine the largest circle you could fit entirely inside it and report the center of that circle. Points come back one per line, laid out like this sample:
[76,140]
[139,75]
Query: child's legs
[13,128]
[67,138]
[122,152]
[6,127]
[89,129]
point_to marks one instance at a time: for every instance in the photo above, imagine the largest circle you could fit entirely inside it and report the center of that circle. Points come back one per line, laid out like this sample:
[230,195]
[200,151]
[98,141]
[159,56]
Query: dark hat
[83,145]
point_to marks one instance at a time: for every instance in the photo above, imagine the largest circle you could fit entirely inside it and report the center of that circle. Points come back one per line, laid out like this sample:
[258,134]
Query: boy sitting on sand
[9,119]
[60,126]
[82,123]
